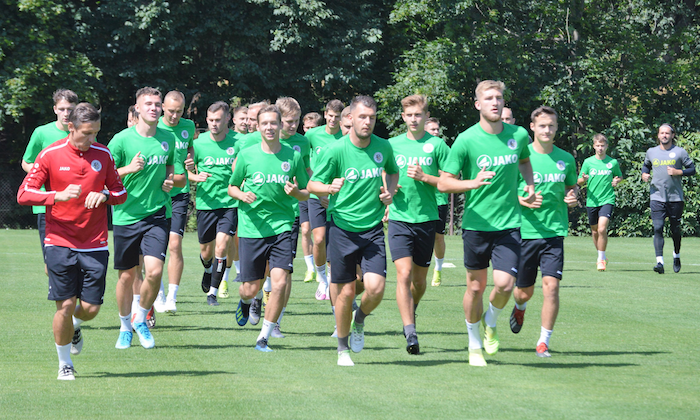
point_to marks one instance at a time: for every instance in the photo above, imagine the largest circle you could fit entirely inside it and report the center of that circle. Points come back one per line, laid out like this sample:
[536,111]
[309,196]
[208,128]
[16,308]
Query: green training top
[144,188]
[300,144]
[42,137]
[493,207]
[216,159]
[183,135]
[356,207]
[552,172]
[318,140]
[265,175]
[600,175]
[415,201]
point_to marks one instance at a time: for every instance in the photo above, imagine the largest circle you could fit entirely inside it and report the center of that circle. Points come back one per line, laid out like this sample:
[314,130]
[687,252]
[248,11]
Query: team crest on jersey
[378,157]
[672,155]
[512,144]
[258,178]
[229,151]
[352,175]
[185,134]
[165,146]
[400,161]
[285,166]
[561,165]
[428,148]
[96,165]
[209,161]
[297,148]
[608,165]
[318,150]
[484,162]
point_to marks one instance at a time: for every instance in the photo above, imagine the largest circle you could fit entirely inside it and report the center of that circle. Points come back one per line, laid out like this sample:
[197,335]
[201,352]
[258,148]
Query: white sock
[212,290]
[438,263]
[237,264]
[77,322]
[266,329]
[521,306]
[135,303]
[225,278]
[279,319]
[660,260]
[162,288]
[259,296]
[140,315]
[601,255]
[676,255]
[544,336]
[321,273]
[63,355]
[474,335]
[492,315]
[172,291]
[267,286]
[125,322]
[309,259]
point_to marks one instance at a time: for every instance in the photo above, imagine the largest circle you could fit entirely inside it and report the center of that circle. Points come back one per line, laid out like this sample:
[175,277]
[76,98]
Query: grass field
[625,346]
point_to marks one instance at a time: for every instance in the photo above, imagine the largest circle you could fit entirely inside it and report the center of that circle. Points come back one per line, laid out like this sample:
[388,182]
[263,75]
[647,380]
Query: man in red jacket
[80,179]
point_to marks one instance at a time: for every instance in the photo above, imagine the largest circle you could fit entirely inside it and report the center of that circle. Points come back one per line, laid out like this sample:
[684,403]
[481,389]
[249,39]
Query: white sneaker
[67,373]
[344,358]
[77,342]
[159,304]
[170,306]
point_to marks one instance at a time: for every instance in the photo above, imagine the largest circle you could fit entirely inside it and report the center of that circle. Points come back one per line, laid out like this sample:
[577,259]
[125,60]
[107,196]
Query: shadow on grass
[155,374]
[168,328]
[557,365]
[589,353]
[416,362]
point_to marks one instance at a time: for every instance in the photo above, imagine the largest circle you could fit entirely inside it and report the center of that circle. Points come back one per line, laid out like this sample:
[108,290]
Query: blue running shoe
[261,345]
[242,313]
[124,340]
[145,337]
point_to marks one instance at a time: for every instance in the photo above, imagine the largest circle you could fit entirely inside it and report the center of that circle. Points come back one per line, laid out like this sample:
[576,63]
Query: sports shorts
[414,240]
[660,210]
[179,219]
[304,211]
[348,249]
[500,247]
[211,222]
[441,224]
[79,274]
[546,254]
[595,213]
[256,252]
[317,213]
[150,236]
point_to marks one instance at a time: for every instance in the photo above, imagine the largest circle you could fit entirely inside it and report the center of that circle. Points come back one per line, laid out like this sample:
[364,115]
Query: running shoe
[206,282]
[659,268]
[145,337]
[490,338]
[211,300]
[517,317]
[77,342]
[309,276]
[66,373]
[676,265]
[276,333]
[242,313]
[542,350]
[151,318]
[124,340]
[254,312]
[223,290]
[170,306]
[357,336]
[437,278]
[601,265]
[476,358]
[412,344]
[159,303]
[261,345]
[321,292]
[344,358]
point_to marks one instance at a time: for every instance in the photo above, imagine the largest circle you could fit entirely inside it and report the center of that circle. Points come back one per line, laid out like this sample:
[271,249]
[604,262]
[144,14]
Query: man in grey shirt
[669,163]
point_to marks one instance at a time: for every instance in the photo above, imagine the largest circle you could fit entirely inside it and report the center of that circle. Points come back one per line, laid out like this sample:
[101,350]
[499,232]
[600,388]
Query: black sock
[360,316]
[218,273]
[409,329]
[206,264]
[343,344]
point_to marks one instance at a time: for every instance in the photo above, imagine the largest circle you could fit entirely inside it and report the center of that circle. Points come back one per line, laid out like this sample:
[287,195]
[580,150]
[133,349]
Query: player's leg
[254,253]
[294,240]
[127,244]
[439,245]
[176,262]
[525,282]
[206,235]
[93,266]
[658,217]
[64,272]
[221,248]
[401,244]
[477,250]
[675,216]
[317,223]
[41,227]
[552,264]
[306,241]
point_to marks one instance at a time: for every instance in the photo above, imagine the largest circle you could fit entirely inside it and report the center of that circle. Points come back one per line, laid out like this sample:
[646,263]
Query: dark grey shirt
[664,187]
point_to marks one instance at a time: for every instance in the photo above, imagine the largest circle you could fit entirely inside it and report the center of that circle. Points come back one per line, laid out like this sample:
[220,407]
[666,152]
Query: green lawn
[625,346]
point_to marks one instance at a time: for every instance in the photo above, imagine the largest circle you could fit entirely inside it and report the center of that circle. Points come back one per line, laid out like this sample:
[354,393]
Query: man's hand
[249,197]
[291,188]
[94,199]
[200,177]
[535,204]
[645,177]
[385,196]
[335,186]
[531,196]
[616,181]
[168,184]
[482,178]
[673,171]
[570,198]
[189,163]
[137,163]
[416,172]
[71,191]
[324,201]
[386,215]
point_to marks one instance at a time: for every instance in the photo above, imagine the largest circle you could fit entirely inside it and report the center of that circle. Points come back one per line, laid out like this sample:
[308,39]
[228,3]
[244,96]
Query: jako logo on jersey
[561,165]
[661,162]
[512,144]
[352,175]
[378,157]
[539,178]
[230,151]
[595,172]
[297,148]
[156,160]
[185,134]
[258,178]
[64,168]
[285,166]
[486,162]
[96,165]
[318,150]
[428,148]
[210,161]
[402,161]
[181,145]
[165,146]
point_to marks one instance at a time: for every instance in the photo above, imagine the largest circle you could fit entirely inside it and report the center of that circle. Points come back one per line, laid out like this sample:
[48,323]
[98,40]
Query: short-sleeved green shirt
[415,201]
[265,175]
[356,207]
[318,140]
[493,207]
[144,188]
[553,172]
[215,158]
[183,135]
[246,140]
[300,144]
[42,137]
[600,175]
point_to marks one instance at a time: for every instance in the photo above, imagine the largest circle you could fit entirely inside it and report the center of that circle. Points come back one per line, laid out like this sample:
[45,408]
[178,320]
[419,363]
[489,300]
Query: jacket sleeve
[30,193]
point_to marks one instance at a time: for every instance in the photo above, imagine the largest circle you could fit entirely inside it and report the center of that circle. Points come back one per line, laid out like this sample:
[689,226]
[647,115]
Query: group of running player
[260,183]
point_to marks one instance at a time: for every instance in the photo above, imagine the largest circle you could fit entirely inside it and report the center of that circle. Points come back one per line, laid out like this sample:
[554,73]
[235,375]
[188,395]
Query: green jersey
[492,207]
[183,135]
[144,188]
[265,175]
[42,137]
[318,140]
[246,140]
[215,158]
[356,207]
[553,172]
[415,201]
[300,144]
[600,175]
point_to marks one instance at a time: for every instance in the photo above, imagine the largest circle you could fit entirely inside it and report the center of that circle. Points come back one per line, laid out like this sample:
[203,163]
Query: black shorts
[150,236]
[347,249]
[41,226]
[211,222]
[179,219]
[442,223]
[547,254]
[295,241]
[317,214]
[660,210]
[304,211]
[595,213]
[412,240]
[256,252]
[79,274]
[502,247]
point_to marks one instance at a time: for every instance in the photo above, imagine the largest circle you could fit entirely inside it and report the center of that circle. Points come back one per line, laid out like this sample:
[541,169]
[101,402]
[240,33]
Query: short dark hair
[148,91]
[270,108]
[432,120]
[65,95]
[83,113]
[132,112]
[217,106]
[335,105]
[367,101]
[543,110]
[313,116]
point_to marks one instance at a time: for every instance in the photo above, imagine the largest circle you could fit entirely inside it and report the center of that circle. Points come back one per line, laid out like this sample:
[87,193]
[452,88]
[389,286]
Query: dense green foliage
[618,67]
